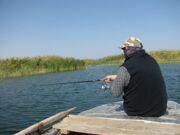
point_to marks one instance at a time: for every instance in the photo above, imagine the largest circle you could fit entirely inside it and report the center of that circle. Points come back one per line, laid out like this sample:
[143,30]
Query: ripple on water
[26,100]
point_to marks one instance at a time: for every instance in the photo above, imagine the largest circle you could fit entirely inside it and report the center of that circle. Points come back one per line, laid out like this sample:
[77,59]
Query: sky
[86,28]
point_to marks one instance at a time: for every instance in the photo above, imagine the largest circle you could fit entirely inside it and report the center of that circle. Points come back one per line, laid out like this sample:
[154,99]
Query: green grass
[14,67]
[109,60]
[164,56]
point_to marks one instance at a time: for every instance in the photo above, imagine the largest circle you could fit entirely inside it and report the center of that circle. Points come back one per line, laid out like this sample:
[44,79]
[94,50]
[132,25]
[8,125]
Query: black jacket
[145,94]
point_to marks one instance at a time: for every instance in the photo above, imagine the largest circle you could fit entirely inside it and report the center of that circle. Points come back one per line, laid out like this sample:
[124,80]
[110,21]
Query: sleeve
[122,80]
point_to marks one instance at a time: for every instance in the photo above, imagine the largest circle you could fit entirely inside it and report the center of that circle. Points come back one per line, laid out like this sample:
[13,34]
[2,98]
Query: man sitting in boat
[140,80]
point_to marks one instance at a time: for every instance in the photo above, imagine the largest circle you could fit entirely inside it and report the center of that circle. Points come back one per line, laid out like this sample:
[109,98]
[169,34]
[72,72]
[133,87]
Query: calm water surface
[27,100]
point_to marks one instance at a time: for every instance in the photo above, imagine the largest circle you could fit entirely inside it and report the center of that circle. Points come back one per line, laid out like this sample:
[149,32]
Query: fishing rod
[105,86]
[64,83]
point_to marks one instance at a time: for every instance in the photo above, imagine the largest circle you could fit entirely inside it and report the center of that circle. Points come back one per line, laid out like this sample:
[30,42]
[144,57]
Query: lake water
[27,100]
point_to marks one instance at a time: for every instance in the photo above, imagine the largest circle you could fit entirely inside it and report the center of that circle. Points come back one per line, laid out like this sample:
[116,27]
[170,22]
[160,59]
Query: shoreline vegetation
[16,67]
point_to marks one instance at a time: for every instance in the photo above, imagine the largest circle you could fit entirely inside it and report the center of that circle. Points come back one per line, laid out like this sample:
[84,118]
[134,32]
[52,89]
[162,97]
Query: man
[140,80]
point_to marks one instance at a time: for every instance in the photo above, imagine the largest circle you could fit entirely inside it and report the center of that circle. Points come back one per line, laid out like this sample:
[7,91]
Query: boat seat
[112,126]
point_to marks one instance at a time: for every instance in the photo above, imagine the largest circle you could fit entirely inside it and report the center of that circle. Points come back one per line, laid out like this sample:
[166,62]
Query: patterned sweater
[122,80]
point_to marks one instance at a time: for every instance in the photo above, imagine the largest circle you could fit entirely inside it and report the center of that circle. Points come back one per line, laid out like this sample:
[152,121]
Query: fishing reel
[105,86]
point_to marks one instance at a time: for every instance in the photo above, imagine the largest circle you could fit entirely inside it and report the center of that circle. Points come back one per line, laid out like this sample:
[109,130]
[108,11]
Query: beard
[130,51]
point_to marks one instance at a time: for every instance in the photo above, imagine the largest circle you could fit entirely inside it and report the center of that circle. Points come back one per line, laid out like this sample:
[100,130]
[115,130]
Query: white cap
[132,41]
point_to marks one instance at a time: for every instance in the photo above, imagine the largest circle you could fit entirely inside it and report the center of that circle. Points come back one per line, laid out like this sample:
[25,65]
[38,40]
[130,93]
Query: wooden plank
[45,122]
[107,126]
[64,132]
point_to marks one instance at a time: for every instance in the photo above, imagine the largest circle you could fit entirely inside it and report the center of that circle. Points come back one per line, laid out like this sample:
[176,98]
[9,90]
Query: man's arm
[121,80]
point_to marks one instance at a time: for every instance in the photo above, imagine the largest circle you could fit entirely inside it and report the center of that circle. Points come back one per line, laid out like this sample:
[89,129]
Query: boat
[108,119]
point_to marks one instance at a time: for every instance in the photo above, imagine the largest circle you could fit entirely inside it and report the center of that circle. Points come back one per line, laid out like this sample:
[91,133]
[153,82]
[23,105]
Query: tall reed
[14,67]
[164,56]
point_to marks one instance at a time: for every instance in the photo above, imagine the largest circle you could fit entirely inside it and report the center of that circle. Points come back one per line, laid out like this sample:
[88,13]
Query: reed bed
[14,67]
[164,56]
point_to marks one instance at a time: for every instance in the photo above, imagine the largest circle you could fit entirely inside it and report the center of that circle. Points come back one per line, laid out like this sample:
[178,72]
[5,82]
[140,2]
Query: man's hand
[109,78]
